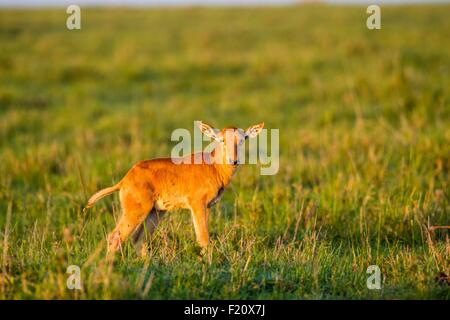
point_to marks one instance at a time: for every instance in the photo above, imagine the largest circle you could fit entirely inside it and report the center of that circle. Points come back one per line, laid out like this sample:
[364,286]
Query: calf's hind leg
[142,235]
[135,207]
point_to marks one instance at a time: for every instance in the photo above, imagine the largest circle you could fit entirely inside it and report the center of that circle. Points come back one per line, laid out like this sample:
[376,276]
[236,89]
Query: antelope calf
[152,187]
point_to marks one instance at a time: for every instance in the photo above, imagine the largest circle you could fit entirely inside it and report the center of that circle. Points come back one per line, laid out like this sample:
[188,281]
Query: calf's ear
[254,130]
[208,131]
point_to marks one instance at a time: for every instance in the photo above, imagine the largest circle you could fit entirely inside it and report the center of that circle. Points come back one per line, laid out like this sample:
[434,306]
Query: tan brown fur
[159,185]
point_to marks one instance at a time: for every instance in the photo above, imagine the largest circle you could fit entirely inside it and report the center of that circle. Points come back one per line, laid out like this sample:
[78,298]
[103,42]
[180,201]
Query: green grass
[364,121]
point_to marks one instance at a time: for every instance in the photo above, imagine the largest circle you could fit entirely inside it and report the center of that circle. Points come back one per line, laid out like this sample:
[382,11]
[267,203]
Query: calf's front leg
[200,215]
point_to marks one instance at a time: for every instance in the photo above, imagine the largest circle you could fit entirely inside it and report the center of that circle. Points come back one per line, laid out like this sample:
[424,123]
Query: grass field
[364,119]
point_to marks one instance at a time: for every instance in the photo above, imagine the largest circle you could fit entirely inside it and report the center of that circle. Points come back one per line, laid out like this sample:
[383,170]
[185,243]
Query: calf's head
[229,141]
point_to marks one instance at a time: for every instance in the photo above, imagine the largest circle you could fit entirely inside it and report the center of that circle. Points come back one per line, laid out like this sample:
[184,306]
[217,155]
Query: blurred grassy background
[364,123]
